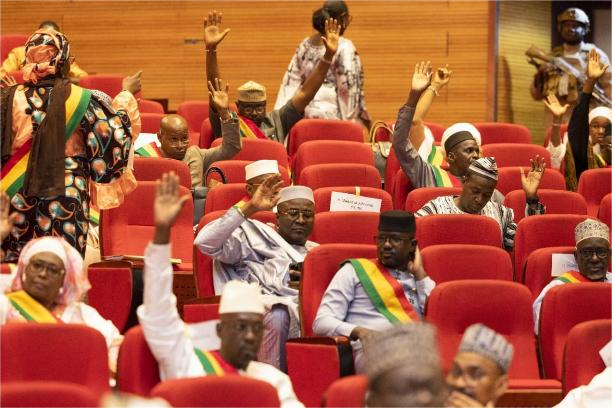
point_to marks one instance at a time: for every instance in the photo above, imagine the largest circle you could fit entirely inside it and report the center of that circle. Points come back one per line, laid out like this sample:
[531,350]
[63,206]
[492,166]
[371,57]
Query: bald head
[174,136]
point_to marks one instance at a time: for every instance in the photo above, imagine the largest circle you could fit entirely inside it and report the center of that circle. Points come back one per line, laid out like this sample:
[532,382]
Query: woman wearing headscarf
[48,287]
[62,147]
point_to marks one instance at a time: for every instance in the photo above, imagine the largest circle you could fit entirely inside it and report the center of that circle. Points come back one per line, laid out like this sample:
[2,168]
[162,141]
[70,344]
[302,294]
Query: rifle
[561,65]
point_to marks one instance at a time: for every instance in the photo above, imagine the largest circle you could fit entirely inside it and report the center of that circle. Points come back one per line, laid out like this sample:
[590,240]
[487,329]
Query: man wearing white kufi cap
[592,257]
[185,350]
[460,145]
[246,249]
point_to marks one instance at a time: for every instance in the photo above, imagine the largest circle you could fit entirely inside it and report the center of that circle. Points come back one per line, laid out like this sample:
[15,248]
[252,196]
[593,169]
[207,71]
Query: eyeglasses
[294,213]
[393,239]
[588,253]
[249,109]
[39,266]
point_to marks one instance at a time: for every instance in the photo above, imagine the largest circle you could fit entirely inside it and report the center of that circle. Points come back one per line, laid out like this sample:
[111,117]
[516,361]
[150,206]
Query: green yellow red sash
[30,308]
[94,214]
[149,150]
[443,178]
[213,364]
[13,172]
[242,202]
[249,129]
[385,292]
[572,277]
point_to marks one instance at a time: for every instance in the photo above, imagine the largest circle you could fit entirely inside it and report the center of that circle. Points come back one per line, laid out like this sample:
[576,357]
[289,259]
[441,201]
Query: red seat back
[347,392]
[345,227]
[509,179]
[260,149]
[437,130]
[581,359]
[127,229]
[340,174]
[538,268]
[605,210]
[331,151]
[320,266]
[110,84]
[515,154]
[10,41]
[150,122]
[201,312]
[54,352]
[458,261]
[111,291]
[562,308]
[148,106]
[321,129]
[495,132]
[46,394]
[391,170]
[322,196]
[594,184]
[223,196]
[563,130]
[418,197]
[503,306]
[206,134]
[401,187]
[458,229]
[213,391]
[540,232]
[152,168]
[556,202]
[137,369]
[194,112]
[234,171]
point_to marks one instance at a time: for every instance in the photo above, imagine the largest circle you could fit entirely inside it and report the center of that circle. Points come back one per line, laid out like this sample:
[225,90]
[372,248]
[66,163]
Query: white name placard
[352,202]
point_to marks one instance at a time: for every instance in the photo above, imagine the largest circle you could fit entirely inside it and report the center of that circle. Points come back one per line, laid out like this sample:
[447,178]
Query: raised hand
[267,195]
[553,105]
[421,76]
[132,83]
[8,81]
[531,182]
[212,33]
[441,77]
[331,38]
[595,68]
[168,201]
[218,93]
[6,221]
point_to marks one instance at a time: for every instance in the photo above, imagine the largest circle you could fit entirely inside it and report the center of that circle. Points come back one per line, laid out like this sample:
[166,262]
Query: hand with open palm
[531,182]
[212,32]
[421,76]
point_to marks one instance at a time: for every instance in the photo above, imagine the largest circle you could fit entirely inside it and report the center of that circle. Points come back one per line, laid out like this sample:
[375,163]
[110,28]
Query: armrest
[343,348]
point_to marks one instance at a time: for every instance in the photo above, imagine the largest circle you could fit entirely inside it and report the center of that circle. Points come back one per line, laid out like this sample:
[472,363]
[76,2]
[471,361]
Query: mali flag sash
[213,364]
[13,172]
[385,292]
[443,178]
[572,277]
[149,150]
[30,308]
[249,129]
[242,202]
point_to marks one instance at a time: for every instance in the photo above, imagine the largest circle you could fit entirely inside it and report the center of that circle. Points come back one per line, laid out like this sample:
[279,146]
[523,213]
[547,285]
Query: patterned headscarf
[47,51]
[484,167]
[76,283]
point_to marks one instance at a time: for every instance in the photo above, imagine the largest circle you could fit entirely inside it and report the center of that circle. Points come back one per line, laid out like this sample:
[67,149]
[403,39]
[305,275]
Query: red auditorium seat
[234,171]
[418,197]
[46,394]
[459,261]
[605,210]
[322,196]
[54,352]
[206,134]
[340,174]
[345,227]
[542,231]
[563,130]
[194,112]
[328,357]
[213,391]
[10,41]
[152,168]
[202,312]
[127,229]
[330,151]
[147,106]
[391,170]
[260,149]
[401,187]
[594,184]
[150,122]
[556,202]
[504,307]
[458,229]
[515,154]
[347,392]
[581,359]
[110,84]
[509,179]
[137,369]
[564,307]
[496,132]
[538,268]
[437,130]
[111,291]
[321,129]
[223,196]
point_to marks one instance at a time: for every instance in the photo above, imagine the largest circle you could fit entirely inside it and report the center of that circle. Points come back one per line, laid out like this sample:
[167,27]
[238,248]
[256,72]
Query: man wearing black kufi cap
[369,295]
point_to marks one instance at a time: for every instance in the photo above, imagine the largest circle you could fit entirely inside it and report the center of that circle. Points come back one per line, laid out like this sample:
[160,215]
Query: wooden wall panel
[391,36]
